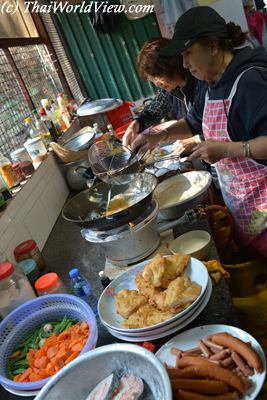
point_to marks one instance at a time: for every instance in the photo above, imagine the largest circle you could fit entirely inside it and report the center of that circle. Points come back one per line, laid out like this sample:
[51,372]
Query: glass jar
[49,284]
[36,149]
[15,289]
[22,157]
[29,249]
[18,172]
[7,172]
[30,269]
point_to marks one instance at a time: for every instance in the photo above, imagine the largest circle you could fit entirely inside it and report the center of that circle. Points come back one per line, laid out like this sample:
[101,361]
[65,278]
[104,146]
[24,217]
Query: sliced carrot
[84,325]
[77,347]
[52,351]
[15,354]
[70,358]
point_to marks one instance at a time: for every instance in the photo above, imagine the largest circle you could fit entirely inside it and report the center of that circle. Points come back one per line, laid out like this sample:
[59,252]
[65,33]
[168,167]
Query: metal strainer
[109,160]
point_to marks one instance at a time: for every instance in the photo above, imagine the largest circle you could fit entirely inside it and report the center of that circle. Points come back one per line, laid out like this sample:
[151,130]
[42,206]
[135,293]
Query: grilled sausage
[250,355]
[204,386]
[184,395]
[215,372]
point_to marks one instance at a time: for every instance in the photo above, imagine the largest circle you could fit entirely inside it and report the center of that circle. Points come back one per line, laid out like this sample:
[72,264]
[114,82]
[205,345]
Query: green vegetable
[20,364]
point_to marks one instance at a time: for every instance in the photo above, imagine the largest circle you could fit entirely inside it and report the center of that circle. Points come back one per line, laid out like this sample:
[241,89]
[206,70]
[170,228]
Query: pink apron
[243,181]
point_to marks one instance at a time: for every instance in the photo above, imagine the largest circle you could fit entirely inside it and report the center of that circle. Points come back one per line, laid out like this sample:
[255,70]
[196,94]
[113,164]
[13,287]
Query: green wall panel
[106,62]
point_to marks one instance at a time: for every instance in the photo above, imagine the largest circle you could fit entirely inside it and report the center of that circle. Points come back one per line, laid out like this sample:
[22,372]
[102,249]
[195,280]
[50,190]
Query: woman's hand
[148,142]
[210,151]
[185,145]
[130,133]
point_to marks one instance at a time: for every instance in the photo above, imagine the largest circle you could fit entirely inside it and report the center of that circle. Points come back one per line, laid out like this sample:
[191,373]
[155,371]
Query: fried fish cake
[145,288]
[146,315]
[174,267]
[180,293]
[128,301]
[154,270]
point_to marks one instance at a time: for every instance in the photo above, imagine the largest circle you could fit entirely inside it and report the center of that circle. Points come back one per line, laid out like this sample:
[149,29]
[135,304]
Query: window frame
[43,38]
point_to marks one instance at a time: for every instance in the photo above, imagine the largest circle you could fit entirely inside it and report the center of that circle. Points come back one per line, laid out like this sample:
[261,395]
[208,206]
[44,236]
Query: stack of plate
[107,309]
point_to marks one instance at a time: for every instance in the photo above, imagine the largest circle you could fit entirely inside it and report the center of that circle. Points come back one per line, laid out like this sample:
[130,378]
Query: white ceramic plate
[173,324]
[188,339]
[107,309]
[177,328]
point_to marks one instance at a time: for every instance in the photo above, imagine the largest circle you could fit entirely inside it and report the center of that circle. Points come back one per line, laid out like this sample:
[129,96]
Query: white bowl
[194,243]
[77,379]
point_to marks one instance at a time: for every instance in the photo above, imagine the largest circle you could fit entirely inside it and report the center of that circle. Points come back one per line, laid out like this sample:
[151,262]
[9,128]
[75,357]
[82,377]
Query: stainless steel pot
[77,174]
[132,244]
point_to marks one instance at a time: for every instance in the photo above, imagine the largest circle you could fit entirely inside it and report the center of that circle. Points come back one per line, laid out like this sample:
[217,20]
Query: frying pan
[88,208]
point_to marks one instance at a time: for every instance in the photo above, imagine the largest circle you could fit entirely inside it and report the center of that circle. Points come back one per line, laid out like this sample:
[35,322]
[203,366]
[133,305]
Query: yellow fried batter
[146,315]
[174,267]
[128,301]
[154,271]
[181,291]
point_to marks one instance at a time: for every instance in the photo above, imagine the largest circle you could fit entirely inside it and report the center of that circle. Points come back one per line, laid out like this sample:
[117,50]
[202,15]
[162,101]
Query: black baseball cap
[195,23]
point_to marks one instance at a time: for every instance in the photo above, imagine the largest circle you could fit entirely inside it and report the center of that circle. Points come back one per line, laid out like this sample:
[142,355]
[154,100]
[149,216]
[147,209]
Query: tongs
[161,159]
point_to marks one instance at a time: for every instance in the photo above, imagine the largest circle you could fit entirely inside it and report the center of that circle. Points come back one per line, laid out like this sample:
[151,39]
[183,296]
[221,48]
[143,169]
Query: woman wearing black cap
[177,94]
[233,118]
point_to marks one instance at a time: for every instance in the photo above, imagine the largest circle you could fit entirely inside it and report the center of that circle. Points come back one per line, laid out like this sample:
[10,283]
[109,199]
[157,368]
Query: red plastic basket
[121,115]
[119,132]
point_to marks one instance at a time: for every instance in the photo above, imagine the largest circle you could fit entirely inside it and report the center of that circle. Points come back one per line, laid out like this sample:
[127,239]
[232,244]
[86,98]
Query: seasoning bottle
[29,250]
[15,289]
[22,157]
[49,284]
[30,269]
[7,172]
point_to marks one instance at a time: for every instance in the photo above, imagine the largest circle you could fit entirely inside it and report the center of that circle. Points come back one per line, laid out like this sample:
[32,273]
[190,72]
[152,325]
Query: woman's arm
[212,151]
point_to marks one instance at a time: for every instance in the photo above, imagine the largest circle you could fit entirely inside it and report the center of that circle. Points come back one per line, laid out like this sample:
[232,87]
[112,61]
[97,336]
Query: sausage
[184,395]
[207,353]
[213,346]
[227,362]
[215,372]
[241,365]
[250,355]
[204,386]
[221,355]
[194,350]
[175,351]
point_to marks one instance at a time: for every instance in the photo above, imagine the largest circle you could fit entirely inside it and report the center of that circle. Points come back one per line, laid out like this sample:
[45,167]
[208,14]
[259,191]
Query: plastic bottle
[42,129]
[57,113]
[97,131]
[82,288]
[7,172]
[49,124]
[47,105]
[31,128]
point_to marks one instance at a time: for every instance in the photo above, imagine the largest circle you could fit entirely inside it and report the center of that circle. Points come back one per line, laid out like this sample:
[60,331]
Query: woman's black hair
[236,37]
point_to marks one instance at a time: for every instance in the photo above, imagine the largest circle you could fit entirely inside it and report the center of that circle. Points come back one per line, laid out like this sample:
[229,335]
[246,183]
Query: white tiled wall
[35,209]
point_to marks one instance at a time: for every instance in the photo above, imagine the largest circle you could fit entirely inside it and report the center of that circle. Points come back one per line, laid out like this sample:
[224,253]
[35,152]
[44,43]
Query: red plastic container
[119,132]
[121,115]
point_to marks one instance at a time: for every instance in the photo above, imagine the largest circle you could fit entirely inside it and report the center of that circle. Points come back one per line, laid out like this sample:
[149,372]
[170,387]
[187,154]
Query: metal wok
[88,208]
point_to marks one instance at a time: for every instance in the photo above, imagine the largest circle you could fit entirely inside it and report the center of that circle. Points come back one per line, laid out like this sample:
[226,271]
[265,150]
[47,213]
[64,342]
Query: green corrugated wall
[106,62]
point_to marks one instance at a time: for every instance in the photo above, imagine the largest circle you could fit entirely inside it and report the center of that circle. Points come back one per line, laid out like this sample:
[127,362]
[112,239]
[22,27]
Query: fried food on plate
[174,267]
[145,288]
[180,293]
[154,270]
[146,315]
[128,301]
[161,270]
